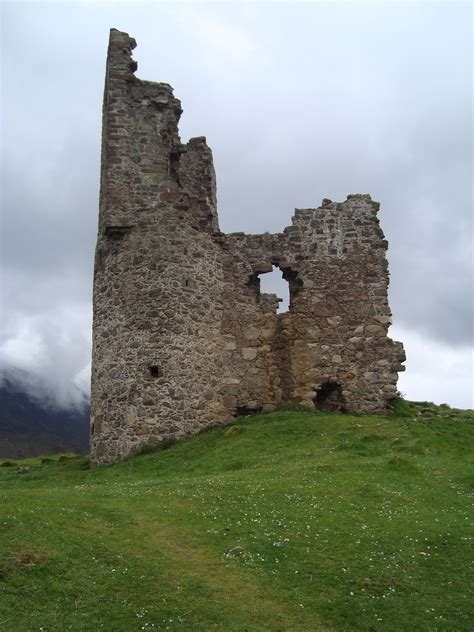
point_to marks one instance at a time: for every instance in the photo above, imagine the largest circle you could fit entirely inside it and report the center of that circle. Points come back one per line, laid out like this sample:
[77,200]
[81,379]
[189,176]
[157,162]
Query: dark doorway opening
[243,411]
[329,397]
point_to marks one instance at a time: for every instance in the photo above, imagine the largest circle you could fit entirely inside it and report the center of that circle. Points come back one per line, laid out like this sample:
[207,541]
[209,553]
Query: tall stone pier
[182,336]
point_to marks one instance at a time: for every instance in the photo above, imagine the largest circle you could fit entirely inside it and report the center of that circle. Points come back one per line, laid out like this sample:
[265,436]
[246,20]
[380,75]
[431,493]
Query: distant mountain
[31,424]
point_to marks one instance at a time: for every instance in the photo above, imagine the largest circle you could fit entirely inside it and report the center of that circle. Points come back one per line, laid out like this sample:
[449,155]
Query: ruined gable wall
[336,329]
[342,308]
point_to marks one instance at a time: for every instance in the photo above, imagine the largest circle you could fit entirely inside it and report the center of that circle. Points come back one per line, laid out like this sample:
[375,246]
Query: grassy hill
[283,521]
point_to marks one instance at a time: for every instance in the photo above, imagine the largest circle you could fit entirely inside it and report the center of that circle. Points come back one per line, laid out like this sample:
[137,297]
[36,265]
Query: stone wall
[182,337]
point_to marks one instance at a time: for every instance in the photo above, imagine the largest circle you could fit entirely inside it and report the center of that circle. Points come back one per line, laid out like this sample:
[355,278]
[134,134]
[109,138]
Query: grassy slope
[286,521]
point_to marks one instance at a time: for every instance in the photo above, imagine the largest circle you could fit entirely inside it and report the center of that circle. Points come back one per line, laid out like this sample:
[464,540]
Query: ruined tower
[182,336]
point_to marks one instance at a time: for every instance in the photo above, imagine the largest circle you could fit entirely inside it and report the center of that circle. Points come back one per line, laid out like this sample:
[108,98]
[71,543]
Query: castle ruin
[183,338]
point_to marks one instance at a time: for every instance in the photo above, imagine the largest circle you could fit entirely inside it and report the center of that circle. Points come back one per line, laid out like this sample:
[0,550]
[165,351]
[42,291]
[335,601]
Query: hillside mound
[283,521]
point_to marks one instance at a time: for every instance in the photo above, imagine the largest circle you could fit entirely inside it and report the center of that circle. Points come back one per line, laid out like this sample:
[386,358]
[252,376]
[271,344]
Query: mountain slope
[282,522]
[31,425]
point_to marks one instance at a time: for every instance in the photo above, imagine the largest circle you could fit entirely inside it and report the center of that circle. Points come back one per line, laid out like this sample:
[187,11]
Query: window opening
[155,371]
[274,283]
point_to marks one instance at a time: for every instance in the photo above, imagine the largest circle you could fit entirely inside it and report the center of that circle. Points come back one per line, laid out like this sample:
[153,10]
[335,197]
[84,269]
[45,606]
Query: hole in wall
[155,371]
[117,232]
[329,398]
[243,411]
[175,155]
[274,283]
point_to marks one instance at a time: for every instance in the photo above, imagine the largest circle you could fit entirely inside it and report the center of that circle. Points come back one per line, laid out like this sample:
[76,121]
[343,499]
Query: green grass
[294,521]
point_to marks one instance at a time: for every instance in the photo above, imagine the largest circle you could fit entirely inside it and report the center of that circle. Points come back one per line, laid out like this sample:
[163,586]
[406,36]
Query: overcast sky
[298,102]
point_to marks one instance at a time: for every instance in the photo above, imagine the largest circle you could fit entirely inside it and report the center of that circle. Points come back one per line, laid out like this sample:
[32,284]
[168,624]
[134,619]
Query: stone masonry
[183,339]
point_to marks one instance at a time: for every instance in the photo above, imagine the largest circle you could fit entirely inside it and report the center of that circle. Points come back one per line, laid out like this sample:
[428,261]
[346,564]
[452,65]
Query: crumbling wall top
[119,55]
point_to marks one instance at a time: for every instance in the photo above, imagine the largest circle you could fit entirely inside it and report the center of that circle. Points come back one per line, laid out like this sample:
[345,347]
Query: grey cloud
[298,102]
[52,348]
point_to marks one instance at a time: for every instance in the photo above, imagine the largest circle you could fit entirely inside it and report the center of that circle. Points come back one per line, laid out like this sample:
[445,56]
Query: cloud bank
[298,102]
